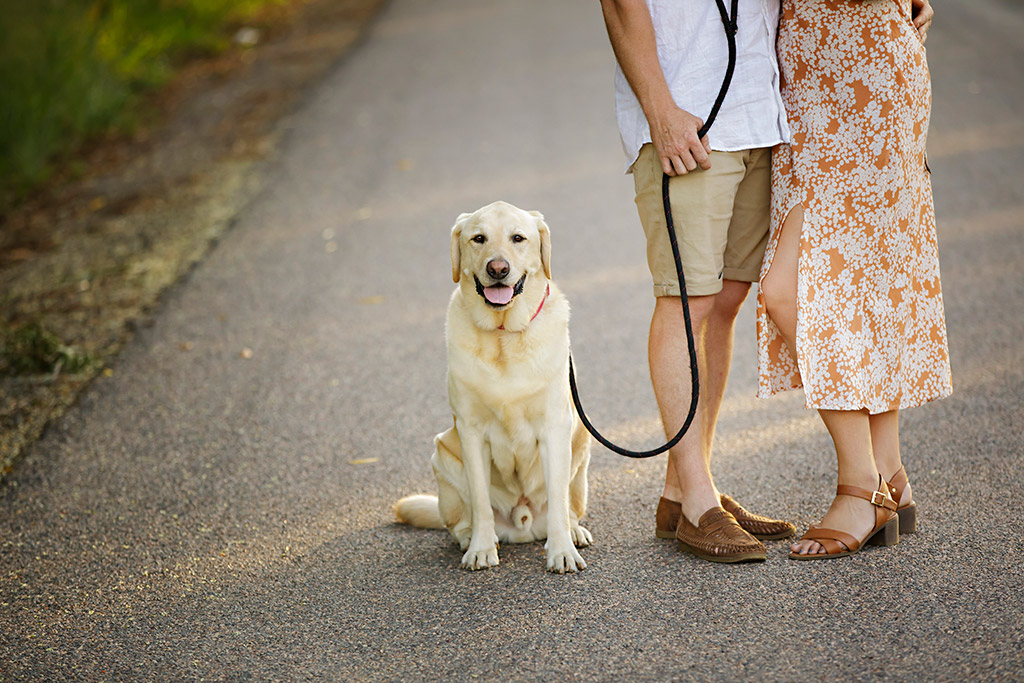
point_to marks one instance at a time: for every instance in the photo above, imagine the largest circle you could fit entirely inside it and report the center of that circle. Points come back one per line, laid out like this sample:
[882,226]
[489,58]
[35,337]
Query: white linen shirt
[694,53]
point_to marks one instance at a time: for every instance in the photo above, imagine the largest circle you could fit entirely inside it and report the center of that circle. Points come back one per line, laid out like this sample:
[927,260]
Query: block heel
[888,534]
[908,518]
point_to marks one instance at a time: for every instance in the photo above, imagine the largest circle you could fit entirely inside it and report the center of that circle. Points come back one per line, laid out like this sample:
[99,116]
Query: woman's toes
[807,548]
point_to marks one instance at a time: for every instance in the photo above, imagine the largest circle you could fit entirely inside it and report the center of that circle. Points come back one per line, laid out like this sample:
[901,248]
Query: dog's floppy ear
[457,246]
[545,242]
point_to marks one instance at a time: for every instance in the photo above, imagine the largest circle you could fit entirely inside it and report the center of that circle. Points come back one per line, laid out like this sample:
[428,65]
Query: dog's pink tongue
[499,296]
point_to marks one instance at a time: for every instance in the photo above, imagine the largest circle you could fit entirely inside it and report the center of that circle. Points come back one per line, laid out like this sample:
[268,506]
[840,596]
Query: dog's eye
[518,238]
[479,239]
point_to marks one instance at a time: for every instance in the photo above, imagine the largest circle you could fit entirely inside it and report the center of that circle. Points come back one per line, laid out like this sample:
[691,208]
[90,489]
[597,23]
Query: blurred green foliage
[70,69]
[33,349]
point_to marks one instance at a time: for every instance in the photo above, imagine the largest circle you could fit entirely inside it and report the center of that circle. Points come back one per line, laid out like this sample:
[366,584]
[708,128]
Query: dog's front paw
[483,558]
[564,559]
[581,537]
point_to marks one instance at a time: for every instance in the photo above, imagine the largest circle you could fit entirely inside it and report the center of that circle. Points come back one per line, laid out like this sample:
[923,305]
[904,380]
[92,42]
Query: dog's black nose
[497,268]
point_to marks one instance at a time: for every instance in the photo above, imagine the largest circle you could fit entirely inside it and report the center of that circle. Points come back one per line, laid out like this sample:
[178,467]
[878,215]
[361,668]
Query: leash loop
[729,23]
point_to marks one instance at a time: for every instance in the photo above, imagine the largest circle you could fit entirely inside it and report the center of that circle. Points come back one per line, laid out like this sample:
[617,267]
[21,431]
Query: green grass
[32,349]
[74,69]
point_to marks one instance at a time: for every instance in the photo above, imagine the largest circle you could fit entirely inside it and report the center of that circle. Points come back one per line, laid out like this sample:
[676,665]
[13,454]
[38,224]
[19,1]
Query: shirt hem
[742,147]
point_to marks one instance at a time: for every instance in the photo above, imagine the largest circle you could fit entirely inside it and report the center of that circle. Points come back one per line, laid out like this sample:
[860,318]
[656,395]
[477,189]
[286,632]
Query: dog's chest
[513,413]
[513,440]
[500,368]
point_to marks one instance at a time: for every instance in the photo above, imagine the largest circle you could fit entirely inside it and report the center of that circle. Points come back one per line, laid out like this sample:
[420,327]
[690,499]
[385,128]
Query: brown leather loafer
[718,537]
[666,519]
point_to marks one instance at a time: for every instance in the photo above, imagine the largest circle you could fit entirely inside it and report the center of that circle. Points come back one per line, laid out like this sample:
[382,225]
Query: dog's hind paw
[480,559]
[565,561]
[581,537]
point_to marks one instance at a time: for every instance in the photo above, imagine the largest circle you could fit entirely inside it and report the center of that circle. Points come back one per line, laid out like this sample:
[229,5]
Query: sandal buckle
[878,499]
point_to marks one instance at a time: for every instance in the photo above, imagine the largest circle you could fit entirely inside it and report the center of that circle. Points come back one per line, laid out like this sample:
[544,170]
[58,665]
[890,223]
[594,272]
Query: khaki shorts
[721,219]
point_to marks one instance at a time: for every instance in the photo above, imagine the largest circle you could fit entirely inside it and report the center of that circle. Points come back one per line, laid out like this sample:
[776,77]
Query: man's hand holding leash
[675,138]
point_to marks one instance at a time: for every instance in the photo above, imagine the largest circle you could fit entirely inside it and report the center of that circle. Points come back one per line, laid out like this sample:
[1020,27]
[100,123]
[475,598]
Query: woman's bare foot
[851,515]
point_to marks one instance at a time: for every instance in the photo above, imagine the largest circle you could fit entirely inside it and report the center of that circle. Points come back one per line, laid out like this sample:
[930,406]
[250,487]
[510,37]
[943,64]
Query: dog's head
[500,249]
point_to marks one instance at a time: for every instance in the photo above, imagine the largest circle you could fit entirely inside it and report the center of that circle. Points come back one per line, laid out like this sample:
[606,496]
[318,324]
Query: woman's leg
[885,442]
[851,433]
[850,430]
[778,286]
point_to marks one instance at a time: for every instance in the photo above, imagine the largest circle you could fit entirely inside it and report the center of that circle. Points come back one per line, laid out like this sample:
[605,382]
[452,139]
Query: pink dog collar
[547,290]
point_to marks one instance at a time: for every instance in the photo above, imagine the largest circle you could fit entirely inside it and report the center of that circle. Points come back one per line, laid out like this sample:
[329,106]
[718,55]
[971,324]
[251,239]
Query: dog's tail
[420,511]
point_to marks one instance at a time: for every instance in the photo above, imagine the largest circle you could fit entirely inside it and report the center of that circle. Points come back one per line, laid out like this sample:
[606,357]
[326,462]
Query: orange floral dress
[871,330]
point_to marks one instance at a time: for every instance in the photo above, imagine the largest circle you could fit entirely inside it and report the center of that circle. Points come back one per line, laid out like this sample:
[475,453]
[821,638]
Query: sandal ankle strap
[877,498]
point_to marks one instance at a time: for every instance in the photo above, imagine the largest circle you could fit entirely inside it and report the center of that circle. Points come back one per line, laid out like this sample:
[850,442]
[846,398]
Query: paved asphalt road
[200,515]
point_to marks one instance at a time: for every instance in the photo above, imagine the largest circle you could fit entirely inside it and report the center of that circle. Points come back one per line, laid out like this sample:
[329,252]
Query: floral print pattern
[871,330]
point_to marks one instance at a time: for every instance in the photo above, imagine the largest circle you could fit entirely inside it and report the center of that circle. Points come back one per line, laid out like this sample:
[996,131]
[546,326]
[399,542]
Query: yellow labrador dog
[514,466]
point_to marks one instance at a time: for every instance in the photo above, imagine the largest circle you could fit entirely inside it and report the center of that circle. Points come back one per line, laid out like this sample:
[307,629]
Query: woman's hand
[923,15]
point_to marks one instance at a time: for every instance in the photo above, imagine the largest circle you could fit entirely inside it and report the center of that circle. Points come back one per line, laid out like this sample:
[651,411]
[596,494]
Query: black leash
[729,23]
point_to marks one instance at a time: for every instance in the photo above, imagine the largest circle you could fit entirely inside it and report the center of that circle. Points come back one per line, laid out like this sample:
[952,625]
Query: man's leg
[718,349]
[688,477]
[704,208]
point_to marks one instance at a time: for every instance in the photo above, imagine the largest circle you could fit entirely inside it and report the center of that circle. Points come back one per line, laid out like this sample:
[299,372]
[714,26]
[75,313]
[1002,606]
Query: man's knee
[728,302]
[725,304]
[700,306]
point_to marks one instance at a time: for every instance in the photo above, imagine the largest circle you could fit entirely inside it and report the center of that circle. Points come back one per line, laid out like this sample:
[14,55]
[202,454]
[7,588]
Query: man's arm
[673,130]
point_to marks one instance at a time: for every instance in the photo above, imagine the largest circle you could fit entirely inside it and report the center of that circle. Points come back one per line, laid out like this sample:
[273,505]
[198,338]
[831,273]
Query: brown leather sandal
[839,543]
[907,513]
[666,519]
